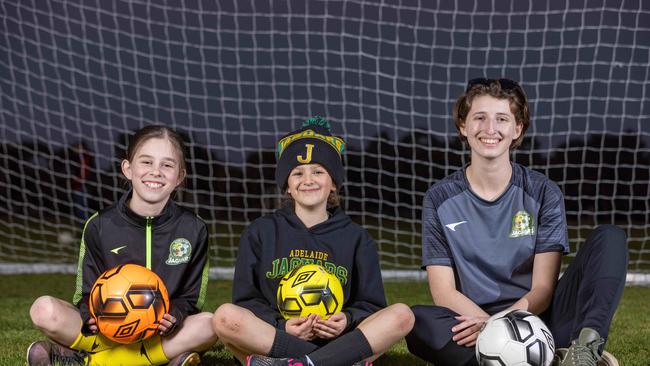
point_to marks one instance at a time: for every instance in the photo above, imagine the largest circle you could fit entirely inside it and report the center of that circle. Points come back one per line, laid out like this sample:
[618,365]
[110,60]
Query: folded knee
[43,313]
[227,320]
[612,240]
[403,317]
[203,318]
[202,324]
[611,234]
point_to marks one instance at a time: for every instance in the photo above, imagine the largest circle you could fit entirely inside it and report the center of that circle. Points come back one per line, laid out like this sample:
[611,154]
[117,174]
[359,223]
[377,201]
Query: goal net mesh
[77,78]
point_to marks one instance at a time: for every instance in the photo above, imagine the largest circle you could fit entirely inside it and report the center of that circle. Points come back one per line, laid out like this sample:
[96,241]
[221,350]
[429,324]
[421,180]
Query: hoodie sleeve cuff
[349,324]
[282,325]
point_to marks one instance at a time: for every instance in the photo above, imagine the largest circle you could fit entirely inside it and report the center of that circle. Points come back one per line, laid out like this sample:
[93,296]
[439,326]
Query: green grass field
[628,336]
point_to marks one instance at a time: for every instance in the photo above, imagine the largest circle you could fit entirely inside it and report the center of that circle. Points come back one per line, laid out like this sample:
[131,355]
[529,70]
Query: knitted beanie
[312,143]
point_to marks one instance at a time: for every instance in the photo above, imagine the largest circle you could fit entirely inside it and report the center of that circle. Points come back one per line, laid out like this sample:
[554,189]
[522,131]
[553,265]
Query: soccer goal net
[76,78]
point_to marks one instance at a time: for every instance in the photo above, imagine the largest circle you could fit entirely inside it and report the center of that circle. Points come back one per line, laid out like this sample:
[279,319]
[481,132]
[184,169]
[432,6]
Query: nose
[307,178]
[155,170]
[491,125]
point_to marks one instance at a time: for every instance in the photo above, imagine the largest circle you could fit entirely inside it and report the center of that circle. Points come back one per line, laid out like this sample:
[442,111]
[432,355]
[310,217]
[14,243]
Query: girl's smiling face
[310,185]
[490,127]
[154,171]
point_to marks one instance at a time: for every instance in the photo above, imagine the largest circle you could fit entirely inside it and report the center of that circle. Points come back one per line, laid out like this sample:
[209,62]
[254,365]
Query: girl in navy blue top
[493,234]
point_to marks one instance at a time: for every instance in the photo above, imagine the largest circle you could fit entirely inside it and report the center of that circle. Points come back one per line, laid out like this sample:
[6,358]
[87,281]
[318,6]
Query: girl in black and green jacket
[144,227]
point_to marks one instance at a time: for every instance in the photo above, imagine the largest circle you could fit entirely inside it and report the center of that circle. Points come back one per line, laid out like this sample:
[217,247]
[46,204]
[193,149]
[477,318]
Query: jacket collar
[165,215]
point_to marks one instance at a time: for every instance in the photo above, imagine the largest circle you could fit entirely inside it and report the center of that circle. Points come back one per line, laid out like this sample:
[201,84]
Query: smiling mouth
[153,185]
[489,141]
[310,190]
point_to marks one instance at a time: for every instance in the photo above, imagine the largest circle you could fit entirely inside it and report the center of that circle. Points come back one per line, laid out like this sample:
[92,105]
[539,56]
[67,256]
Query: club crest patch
[522,225]
[180,251]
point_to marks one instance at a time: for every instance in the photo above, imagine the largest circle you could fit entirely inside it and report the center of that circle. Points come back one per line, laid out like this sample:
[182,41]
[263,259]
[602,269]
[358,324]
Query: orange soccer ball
[128,302]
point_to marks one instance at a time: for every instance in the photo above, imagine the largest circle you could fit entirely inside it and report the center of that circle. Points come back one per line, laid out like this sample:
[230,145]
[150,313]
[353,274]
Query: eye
[168,165]
[296,173]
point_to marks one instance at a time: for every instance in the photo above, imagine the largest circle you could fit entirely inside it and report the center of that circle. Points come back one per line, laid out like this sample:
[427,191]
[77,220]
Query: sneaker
[584,352]
[44,353]
[185,359]
[257,360]
[608,359]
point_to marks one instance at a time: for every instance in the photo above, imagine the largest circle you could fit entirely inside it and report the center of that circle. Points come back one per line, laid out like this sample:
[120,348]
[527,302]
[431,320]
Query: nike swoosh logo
[453,225]
[94,346]
[116,250]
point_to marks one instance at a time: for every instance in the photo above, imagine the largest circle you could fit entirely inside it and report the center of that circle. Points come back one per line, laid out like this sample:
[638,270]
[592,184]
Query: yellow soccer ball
[309,289]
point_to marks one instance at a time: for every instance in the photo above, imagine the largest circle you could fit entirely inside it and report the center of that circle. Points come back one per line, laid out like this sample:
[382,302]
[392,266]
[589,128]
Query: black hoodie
[274,244]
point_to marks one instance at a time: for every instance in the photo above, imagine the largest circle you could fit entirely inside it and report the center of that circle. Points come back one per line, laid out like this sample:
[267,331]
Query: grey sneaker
[584,352]
[185,359]
[44,353]
[608,359]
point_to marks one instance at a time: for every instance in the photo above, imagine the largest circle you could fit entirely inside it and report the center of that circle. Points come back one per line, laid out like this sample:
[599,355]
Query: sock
[344,350]
[147,352]
[92,343]
[286,345]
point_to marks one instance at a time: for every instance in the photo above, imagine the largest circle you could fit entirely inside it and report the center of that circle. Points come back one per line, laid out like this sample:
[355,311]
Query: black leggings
[586,295]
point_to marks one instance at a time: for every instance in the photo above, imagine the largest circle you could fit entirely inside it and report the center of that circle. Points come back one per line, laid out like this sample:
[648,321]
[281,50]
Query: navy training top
[491,244]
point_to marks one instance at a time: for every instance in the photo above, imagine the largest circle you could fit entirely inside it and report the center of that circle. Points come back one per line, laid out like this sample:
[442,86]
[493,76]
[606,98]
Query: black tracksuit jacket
[274,244]
[117,235]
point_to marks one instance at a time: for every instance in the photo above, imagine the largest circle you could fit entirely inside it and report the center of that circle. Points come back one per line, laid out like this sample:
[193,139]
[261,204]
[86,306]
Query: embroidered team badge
[522,225]
[180,251]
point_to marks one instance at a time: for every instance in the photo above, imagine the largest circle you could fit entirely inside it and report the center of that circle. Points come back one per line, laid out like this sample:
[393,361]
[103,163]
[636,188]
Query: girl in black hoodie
[310,227]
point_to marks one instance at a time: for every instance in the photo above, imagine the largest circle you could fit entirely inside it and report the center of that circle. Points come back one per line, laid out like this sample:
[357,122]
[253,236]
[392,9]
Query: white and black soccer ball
[514,338]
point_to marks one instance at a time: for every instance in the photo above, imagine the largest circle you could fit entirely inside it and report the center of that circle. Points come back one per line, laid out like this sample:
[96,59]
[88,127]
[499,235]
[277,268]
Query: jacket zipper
[148,243]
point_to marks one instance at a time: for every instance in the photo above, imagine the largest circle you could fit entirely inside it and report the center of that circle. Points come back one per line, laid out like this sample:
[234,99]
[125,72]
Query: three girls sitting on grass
[492,222]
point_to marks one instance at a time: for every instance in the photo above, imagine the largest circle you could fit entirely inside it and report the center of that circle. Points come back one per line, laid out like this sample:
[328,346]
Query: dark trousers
[586,295]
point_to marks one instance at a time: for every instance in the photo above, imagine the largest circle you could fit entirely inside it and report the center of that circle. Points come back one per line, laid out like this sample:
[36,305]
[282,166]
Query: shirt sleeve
[435,248]
[246,289]
[195,280]
[552,234]
[89,267]
[367,290]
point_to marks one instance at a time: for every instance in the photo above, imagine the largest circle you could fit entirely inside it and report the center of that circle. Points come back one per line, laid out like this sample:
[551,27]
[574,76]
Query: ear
[181,177]
[518,128]
[462,129]
[126,169]
[333,187]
